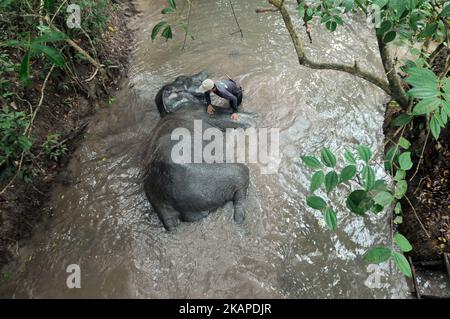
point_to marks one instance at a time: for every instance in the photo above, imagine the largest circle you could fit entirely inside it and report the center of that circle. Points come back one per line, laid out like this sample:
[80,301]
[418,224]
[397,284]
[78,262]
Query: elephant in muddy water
[188,191]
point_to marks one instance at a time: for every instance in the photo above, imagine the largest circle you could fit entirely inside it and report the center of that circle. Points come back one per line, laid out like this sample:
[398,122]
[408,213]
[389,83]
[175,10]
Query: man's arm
[208,98]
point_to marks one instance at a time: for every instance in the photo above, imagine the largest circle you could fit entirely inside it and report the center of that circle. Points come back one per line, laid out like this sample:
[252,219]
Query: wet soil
[65,110]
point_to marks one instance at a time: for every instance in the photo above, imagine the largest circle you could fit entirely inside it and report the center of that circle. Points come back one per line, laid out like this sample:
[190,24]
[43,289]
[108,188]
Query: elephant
[189,191]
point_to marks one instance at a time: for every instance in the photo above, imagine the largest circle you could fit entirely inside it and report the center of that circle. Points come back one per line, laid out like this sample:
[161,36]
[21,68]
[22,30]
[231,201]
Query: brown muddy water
[103,222]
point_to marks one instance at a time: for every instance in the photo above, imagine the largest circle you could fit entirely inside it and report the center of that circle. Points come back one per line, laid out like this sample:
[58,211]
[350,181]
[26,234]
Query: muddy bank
[68,102]
[427,225]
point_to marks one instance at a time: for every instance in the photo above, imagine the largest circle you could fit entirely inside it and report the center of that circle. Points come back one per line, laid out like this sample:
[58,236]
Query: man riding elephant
[226,89]
[190,190]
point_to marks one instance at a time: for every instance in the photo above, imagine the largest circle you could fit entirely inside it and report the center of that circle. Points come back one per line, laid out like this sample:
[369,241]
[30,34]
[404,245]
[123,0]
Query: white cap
[207,85]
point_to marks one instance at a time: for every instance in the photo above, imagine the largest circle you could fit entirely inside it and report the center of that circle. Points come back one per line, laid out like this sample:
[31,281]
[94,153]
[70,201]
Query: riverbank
[426,207]
[69,96]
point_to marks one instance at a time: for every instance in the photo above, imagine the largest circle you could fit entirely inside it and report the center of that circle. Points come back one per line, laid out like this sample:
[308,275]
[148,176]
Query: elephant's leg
[239,209]
[168,216]
[194,216]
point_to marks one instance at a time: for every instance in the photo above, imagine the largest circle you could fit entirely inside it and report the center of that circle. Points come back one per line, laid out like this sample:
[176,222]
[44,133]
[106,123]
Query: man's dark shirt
[228,90]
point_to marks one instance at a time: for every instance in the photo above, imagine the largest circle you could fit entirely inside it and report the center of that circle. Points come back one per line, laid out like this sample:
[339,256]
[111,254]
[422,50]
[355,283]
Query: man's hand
[211,110]
[235,117]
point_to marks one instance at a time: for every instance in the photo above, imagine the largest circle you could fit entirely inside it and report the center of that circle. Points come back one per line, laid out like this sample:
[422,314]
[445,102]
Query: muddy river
[103,222]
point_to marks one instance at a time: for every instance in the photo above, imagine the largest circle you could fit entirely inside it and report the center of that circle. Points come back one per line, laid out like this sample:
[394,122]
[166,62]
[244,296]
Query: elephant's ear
[160,102]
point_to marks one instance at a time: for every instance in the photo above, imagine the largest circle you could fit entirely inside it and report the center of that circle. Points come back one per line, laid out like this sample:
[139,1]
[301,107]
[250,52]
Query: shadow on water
[103,222]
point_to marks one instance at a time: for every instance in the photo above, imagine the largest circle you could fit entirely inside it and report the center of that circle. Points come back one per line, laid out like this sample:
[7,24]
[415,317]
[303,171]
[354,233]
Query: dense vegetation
[38,45]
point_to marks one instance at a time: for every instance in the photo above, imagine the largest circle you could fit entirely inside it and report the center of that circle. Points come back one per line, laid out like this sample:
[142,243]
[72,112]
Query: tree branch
[395,84]
[305,61]
[263,10]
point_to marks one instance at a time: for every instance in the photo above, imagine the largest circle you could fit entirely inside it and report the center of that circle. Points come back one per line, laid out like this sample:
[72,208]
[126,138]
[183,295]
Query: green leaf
[167,33]
[378,255]
[24,71]
[418,76]
[359,202]
[429,30]
[316,202]
[172,3]
[402,120]
[402,243]
[380,185]
[167,10]
[404,143]
[399,175]
[399,6]
[331,25]
[398,209]
[390,36]
[348,173]
[331,181]
[385,26]
[365,153]
[328,157]
[426,106]
[317,181]
[384,199]
[49,5]
[405,162]
[435,127]
[301,10]
[380,3]
[330,218]
[348,5]
[424,92]
[446,11]
[400,189]
[51,53]
[53,36]
[311,162]
[403,264]
[348,155]
[157,28]
[444,117]
[377,208]
[369,177]
[398,220]
[25,143]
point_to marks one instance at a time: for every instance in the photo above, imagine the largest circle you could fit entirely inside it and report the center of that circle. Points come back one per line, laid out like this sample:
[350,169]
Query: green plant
[7,68]
[37,46]
[166,27]
[433,94]
[14,142]
[53,147]
[368,195]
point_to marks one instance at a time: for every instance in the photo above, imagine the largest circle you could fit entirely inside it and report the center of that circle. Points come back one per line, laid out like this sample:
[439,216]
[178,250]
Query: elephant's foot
[169,217]
[239,214]
[239,210]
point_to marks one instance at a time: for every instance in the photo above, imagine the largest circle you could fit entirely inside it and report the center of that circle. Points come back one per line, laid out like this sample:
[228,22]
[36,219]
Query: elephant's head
[180,93]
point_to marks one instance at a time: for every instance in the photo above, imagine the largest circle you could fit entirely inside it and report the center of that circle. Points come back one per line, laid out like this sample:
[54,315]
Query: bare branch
[305,61]
[264,10]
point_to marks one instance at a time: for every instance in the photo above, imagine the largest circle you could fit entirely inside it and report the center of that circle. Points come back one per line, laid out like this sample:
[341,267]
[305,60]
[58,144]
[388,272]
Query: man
[226,89]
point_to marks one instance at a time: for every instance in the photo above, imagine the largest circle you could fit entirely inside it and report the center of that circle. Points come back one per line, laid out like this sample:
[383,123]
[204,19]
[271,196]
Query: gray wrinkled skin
[190,191]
